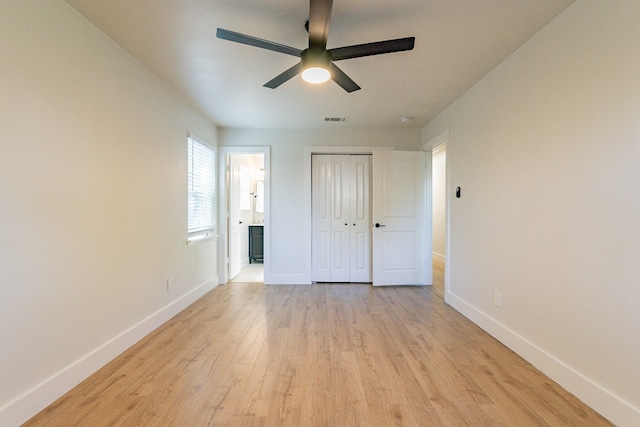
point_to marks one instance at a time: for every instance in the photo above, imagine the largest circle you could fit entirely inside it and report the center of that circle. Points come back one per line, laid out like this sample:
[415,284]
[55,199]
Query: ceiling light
[406,119]
[315,65]
[316,75]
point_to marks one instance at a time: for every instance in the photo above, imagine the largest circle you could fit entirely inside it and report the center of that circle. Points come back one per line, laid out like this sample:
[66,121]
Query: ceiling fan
[317,62]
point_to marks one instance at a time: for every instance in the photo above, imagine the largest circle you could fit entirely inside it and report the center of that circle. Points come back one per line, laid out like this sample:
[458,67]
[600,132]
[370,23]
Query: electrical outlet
[497,298]
[169,285]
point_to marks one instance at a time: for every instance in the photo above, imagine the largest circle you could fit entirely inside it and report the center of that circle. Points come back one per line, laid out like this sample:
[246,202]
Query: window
[201,190]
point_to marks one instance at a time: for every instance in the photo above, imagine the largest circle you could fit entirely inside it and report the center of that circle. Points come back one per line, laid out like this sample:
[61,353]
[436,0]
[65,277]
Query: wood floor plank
[247,354]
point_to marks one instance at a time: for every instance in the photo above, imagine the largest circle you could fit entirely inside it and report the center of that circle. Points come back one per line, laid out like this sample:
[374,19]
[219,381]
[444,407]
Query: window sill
[199,238]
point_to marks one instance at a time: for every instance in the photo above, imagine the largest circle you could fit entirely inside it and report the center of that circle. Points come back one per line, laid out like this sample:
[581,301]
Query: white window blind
[201,191]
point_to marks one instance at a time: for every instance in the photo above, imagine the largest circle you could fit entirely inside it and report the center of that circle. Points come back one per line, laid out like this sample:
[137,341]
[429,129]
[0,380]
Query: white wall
[439,199]
[288,220]
[92,203]
[546,149]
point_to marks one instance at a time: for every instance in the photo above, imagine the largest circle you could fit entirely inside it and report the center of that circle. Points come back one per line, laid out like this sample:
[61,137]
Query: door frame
[308,226]
[443,138]
[223,153]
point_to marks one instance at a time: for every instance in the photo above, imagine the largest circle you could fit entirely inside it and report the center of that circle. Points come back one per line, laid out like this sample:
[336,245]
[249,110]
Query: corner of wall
[617,410]
[25,406]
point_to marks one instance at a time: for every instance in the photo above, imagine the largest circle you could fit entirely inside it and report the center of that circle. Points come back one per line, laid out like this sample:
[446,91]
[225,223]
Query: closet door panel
[360,219]
[321,205]
[341,210]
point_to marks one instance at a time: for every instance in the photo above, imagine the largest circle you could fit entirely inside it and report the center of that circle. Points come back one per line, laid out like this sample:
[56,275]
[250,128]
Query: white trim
[433,143]
[429,215]
[613,407]
[200,238]
[27,405]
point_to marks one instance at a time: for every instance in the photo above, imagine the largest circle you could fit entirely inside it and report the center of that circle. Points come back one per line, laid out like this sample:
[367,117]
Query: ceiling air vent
[336,119]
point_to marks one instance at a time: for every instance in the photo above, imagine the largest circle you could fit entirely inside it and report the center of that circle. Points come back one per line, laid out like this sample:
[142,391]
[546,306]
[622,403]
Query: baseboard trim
[602,400]
[27,405]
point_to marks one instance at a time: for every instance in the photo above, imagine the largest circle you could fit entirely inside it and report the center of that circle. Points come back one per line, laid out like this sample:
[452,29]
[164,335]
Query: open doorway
[439,206]
[244,213]
[439,203]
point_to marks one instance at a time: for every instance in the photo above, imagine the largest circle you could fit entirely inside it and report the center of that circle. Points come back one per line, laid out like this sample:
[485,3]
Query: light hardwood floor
[247,354]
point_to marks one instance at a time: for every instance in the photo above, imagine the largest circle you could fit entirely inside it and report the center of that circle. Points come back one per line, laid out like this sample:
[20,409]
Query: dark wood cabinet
[256,243]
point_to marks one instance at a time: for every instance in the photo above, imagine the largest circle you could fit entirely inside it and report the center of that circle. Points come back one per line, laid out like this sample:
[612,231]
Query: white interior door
[234,220]
[399,218]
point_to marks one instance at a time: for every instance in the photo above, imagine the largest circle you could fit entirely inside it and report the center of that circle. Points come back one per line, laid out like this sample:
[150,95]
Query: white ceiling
[457,43]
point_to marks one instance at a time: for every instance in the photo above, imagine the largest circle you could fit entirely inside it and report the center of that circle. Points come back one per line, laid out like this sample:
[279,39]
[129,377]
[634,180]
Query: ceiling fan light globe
[316,75]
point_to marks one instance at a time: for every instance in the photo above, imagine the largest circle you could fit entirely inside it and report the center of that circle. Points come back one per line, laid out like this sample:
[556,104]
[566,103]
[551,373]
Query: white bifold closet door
[341,236]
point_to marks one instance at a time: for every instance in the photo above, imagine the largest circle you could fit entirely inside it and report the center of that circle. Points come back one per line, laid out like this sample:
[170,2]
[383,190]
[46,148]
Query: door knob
[239,222]
[378,225]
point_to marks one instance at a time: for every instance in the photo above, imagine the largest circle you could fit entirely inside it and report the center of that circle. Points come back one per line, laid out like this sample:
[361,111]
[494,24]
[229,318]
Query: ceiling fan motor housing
[315,57]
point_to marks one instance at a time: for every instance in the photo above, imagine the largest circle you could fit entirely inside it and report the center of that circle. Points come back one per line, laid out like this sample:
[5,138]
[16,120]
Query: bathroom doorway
[244,231]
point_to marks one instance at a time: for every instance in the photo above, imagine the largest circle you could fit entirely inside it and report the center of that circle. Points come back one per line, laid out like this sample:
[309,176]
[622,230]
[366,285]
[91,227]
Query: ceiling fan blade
[319,19]
[254,41]
[344,81]
[375,48]
[283,77]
